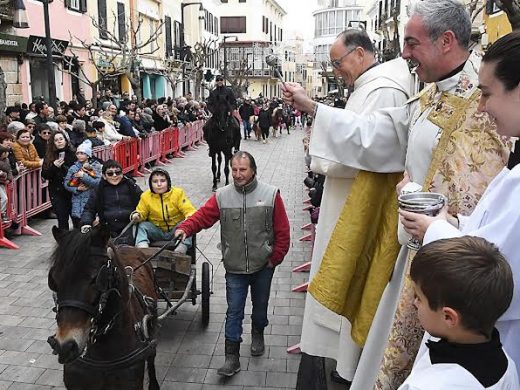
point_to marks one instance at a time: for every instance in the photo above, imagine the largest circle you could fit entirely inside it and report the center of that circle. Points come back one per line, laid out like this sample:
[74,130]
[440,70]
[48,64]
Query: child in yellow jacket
[160,210]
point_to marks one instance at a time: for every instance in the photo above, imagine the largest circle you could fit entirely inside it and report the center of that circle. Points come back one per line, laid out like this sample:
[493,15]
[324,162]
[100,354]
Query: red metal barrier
[11,216]
[126,153]
[168,138]
[30,197]
[104,153]
[150,150]
[183,137]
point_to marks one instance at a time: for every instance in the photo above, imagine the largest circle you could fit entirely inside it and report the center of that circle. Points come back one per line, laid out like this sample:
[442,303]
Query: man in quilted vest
[255,237]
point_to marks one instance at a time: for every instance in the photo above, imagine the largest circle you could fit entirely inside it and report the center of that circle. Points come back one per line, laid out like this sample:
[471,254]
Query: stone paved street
[188,355]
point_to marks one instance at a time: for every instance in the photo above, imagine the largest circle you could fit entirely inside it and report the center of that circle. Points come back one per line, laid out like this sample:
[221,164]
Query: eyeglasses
[113,173]
[46,133]
[336,64]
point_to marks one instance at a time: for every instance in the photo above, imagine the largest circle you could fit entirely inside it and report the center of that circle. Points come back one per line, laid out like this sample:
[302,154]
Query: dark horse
[222,133]
[106,313]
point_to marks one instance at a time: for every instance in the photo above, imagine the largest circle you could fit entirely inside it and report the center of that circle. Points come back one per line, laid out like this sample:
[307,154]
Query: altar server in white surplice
[497,216]
[439,138]
[375,86]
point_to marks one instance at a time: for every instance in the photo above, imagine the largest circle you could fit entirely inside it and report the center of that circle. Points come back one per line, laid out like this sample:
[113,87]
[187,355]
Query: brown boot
[232,364]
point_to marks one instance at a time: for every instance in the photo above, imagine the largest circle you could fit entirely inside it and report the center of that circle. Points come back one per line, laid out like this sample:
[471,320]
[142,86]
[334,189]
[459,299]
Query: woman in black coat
[41,138]
[57,161]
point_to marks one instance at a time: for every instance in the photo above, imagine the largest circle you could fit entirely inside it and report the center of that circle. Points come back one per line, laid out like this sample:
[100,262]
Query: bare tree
[116,53]
[200,53]
[238,77]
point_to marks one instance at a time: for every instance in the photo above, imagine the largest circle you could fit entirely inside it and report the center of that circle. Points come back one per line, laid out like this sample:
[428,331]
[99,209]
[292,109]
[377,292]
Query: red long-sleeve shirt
[209,214]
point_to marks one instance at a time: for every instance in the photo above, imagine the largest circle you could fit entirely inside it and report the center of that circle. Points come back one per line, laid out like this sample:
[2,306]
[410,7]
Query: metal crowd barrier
[28,195]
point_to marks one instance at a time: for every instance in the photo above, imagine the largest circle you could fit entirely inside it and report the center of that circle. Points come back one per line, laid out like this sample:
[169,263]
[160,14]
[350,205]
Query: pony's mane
[72,247]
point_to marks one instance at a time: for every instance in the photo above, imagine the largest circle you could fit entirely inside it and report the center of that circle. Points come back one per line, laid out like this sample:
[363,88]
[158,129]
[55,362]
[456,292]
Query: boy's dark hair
[110,164]
[90,130]
[467,274]
[98,125]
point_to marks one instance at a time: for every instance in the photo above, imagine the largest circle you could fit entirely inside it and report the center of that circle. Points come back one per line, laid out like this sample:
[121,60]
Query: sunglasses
[46,133]
[336,64]
[113,173]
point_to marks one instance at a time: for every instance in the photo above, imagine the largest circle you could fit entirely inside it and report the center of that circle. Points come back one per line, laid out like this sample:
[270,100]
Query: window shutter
[83,6]
[102,18]
[168,32]
[121,20]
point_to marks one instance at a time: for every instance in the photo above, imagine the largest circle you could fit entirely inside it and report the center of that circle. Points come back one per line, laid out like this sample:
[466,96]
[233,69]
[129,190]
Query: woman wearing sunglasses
[112,202]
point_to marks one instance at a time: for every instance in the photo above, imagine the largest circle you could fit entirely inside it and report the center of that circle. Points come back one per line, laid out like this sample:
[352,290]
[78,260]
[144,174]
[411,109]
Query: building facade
[333,17]
[249,31]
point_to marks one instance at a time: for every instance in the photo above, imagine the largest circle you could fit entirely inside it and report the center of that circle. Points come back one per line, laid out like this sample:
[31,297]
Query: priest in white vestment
[497,216]
[375,85]
[410,137]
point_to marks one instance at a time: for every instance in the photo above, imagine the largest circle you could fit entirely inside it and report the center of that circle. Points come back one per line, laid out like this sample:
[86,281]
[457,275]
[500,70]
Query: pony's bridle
[106,284]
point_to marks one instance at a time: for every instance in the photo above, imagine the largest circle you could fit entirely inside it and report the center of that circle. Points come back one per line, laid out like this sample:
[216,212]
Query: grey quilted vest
[246,226]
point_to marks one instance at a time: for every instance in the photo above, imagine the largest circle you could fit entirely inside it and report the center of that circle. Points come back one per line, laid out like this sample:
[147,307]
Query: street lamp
[183,41]
[225,51]
[50,65]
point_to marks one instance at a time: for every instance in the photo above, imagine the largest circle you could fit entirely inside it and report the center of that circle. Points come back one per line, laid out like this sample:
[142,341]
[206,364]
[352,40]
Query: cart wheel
[205,293]
[194,290]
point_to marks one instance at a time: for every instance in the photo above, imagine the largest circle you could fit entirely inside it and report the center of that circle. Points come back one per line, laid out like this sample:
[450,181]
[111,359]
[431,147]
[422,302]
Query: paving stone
[188,354]
[281,379]
[21,374]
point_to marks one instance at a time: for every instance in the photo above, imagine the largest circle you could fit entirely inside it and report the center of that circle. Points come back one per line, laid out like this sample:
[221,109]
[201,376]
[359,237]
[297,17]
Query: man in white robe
[398,139]
[325,333]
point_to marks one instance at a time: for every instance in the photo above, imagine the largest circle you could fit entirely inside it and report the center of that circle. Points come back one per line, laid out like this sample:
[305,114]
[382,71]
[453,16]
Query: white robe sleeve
[440,229]
[376,99]
[374,142]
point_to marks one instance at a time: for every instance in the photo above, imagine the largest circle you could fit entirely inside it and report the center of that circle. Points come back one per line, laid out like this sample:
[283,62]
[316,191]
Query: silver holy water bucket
[427,203]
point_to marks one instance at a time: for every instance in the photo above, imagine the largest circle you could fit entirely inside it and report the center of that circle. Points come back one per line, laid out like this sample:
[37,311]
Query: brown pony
[106,313]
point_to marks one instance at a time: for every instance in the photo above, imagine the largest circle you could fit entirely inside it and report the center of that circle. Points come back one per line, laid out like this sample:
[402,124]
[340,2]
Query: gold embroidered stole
[361,252]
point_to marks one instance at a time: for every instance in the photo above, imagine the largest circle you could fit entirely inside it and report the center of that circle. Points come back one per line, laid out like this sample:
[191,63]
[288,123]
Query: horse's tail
[153,384]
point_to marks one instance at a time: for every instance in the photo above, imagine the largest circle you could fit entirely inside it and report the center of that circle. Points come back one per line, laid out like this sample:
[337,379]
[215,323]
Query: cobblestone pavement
[188,355]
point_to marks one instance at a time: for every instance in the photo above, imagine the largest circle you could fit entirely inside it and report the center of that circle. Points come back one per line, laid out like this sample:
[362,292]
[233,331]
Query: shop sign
[36,46]
[13,43]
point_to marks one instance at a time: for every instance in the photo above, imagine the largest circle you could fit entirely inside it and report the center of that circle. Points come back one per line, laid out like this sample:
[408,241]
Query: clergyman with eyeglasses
[112,202]
[375,86]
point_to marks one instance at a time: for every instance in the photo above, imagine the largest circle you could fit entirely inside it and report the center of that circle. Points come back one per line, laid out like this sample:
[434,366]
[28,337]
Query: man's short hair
[219,78]
[356,37]
[9,110]
[98,125]
[467,274]
[61,119]
[15,126]
[39,107]
[440,16]
[244,154]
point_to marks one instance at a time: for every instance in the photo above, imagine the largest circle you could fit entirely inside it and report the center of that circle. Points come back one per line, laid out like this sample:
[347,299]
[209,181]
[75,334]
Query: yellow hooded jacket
[165,210]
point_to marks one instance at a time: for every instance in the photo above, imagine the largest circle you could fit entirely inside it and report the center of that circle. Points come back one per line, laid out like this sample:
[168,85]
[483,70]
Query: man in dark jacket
[255,237]
[246,111]
[221,93]
[112,202]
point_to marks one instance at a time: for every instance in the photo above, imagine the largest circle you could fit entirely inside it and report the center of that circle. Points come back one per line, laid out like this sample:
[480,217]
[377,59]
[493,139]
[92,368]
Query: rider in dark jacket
[221,92]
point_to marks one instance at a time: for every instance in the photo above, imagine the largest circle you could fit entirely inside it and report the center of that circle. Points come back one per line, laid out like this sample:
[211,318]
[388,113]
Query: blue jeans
[147,232]
[247,128]
[236,294]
